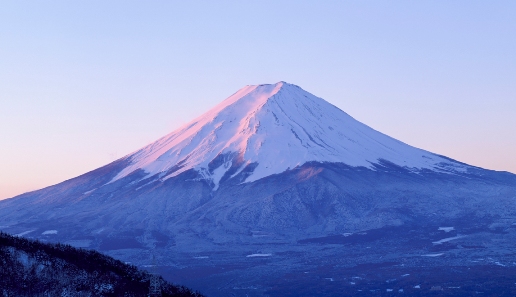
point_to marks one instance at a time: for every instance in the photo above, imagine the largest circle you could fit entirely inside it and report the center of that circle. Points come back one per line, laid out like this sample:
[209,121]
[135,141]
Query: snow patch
[433,255]
[49,232]
[446,229]
[24,233]
[146,184]
[447,239]
[258,255]
[98,231]
[219,173]
[89,192]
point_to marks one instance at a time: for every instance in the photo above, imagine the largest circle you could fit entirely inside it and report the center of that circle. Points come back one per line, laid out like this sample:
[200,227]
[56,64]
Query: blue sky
[84,83]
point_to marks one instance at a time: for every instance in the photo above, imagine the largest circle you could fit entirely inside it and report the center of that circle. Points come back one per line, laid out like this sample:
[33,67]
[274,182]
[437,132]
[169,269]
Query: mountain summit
[268,129]
[277,192]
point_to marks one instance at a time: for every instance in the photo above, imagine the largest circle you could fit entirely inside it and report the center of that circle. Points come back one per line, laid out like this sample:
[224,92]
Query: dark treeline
[32,268]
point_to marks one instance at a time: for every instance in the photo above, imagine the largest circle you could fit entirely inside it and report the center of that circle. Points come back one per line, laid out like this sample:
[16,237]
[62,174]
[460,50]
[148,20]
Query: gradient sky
[83,83]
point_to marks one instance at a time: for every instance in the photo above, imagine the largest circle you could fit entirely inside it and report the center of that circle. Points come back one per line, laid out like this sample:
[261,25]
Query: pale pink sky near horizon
[83,84]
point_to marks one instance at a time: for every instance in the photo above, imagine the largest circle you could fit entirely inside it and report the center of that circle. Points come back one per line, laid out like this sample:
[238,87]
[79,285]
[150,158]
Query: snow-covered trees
[32,268]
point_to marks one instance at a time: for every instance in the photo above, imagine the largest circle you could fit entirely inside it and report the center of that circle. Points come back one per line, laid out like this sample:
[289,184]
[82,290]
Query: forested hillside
[32,268]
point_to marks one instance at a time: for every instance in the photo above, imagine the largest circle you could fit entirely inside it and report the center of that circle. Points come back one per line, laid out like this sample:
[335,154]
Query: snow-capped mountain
[273,184]
[277,127]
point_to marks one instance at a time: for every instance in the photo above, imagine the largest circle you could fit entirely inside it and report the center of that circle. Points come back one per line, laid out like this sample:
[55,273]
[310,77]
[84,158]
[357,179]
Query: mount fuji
[273,128]
[275,190]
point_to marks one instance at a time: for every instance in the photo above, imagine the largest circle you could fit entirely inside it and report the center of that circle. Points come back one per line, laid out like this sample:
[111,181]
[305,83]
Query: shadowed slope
[32,268]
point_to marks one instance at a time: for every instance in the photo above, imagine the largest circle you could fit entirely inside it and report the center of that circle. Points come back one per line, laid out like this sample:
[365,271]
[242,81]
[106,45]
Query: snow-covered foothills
[278,127]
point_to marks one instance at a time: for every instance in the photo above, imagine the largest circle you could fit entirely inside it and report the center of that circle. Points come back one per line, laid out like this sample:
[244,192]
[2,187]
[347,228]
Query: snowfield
[278,127]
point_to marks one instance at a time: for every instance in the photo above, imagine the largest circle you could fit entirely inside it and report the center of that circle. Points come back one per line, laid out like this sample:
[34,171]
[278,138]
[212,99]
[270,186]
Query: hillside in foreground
[32,268]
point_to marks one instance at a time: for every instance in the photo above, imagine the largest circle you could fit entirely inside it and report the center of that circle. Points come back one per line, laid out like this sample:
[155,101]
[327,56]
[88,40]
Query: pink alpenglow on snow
[278,127]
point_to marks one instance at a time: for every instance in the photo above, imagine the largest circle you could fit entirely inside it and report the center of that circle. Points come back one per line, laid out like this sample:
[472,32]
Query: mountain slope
[271,183]
[276,127]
